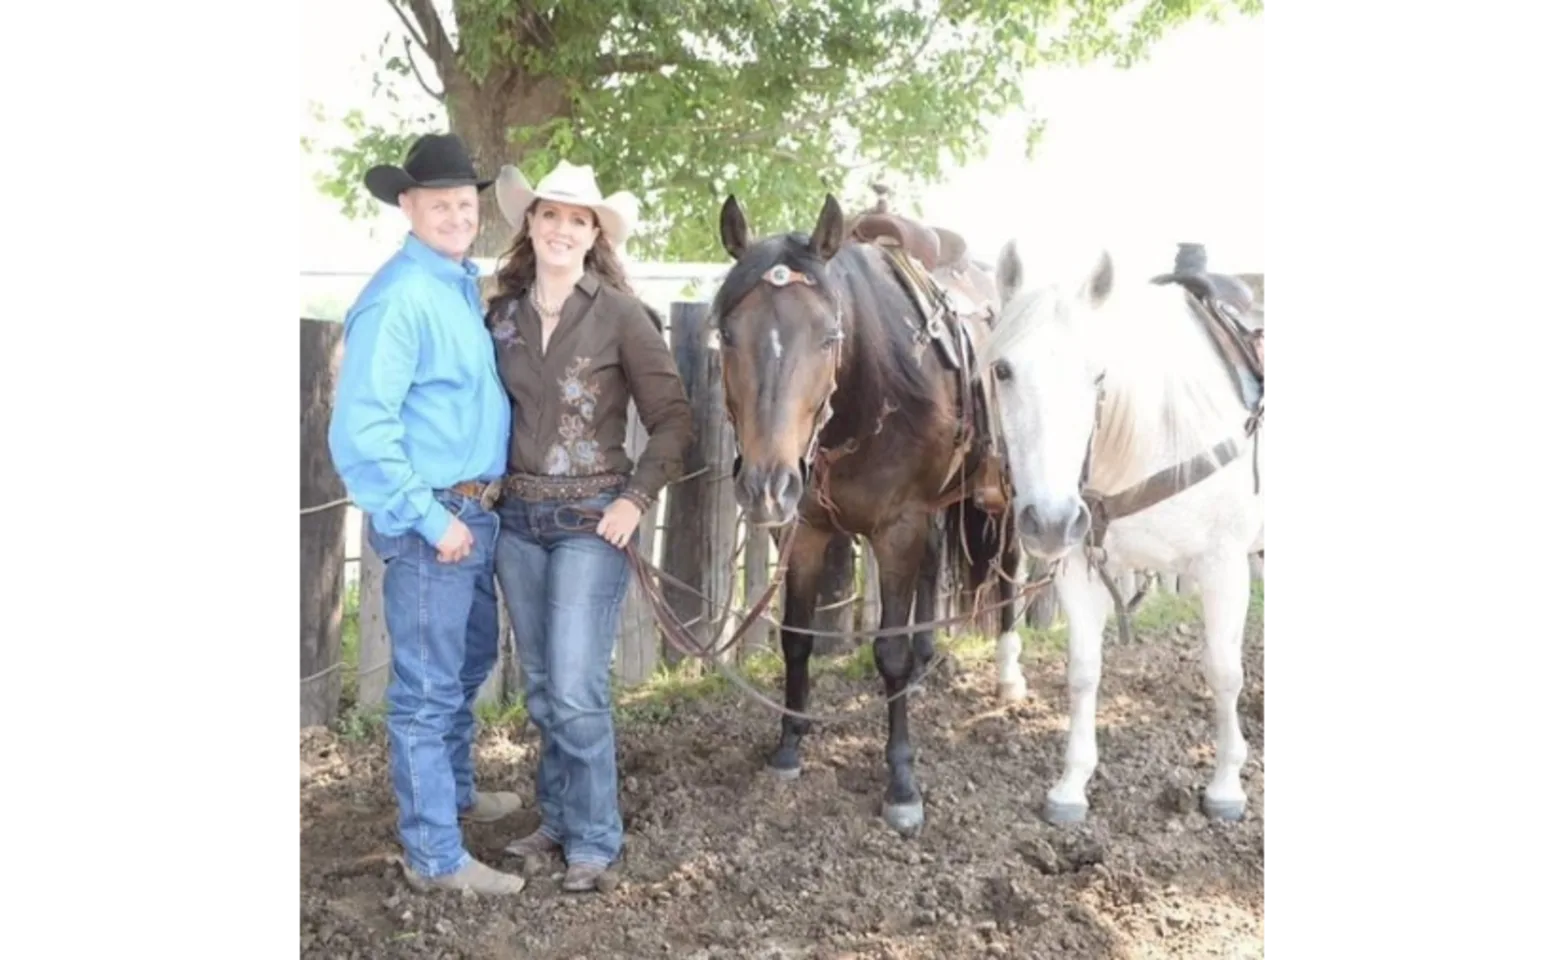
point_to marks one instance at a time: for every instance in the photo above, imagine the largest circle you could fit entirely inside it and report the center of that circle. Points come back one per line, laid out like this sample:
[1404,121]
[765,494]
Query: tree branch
[434,40]
[407,43]
[610,63]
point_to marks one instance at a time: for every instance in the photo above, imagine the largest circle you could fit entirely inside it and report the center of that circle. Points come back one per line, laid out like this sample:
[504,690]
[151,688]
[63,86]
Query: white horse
[1099,387]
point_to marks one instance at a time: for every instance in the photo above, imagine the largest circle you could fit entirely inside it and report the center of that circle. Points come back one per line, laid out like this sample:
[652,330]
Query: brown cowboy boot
[582,877]
[535,844]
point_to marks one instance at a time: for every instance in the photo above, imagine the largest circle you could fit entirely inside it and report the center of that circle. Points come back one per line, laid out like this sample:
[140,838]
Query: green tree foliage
[685,101]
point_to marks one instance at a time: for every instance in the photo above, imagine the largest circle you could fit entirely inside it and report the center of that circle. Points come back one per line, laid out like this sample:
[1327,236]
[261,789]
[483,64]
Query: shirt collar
[588,284]
[437,263]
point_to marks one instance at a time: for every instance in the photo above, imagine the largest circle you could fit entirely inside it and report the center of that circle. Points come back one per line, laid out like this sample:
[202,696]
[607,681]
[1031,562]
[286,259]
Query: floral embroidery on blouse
[504,332]
[577,452]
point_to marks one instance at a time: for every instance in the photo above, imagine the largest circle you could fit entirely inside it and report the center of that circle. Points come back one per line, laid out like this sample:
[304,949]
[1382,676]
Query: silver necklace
[545,311]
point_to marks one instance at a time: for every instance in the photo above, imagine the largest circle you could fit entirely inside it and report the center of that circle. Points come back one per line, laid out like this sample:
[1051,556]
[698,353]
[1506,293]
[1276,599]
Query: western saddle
[1232,319]
[933,247]
[956,305]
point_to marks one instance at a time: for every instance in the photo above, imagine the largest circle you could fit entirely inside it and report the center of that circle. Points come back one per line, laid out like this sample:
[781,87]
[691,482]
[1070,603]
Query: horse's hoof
[1228,810]
[1013,692]
[785,773]
[1061,814]
[905,818]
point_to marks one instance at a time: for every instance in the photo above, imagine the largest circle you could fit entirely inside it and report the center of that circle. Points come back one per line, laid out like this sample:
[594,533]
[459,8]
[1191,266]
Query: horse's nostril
[751,485]
[1081,523]
[1030,524]
[792,487]
[784,486]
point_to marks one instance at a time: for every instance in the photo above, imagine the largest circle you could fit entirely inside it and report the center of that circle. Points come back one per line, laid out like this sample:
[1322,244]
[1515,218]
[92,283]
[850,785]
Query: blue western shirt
[419,404]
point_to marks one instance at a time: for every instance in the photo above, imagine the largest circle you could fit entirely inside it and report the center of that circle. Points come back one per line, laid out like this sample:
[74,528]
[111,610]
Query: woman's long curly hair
[520,263]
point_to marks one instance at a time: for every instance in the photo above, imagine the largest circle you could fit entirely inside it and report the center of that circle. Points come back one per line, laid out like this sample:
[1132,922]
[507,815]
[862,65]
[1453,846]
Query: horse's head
[779,317]
[1047,375]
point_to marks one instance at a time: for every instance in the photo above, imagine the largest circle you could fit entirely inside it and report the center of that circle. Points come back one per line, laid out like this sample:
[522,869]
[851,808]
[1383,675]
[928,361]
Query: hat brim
[386,183]
[618,214]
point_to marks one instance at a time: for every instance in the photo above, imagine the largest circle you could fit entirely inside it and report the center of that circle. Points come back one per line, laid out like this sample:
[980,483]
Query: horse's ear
[734,228]
[1100,284]
[827,238]
[1008,276]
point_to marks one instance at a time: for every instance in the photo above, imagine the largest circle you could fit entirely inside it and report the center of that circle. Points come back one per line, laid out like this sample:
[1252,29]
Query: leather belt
[533,487]
[486,493]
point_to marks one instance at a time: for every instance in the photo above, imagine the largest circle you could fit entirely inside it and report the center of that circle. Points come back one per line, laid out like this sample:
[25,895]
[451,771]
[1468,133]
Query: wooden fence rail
[695,534]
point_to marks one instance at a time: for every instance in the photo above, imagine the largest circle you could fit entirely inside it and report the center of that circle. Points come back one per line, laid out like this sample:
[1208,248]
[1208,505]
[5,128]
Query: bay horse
[849,417]
[1132,414]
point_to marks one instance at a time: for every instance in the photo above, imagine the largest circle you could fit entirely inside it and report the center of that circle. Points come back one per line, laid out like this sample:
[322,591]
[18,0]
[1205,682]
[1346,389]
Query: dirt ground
[724,861]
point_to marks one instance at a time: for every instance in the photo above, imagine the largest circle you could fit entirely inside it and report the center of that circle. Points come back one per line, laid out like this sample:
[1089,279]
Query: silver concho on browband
[781,275]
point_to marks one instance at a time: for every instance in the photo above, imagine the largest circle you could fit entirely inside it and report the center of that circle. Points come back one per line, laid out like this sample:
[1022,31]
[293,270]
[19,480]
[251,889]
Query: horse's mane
[885,367]
[1167,394]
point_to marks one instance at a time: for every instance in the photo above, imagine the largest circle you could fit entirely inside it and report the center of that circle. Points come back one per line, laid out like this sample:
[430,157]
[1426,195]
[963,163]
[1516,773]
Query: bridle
[780,275]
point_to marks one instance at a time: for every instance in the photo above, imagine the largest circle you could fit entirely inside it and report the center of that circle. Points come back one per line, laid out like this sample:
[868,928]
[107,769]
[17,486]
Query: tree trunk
[486,117]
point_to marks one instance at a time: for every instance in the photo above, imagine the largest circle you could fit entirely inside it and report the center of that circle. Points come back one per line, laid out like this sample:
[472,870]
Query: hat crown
[568,183]
[569,180]
[439,156]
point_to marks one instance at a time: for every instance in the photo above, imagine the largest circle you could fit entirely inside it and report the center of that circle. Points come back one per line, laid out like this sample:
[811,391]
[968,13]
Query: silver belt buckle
[491,493]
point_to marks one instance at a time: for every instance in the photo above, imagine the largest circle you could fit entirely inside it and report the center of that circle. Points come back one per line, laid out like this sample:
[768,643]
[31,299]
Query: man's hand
[619,522]
[456,544]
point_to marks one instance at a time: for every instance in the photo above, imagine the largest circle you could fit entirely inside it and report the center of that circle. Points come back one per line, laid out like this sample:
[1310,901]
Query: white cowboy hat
[617,214]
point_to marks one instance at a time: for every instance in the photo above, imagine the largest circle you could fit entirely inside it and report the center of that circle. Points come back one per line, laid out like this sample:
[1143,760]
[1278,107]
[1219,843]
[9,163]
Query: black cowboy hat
[435,160]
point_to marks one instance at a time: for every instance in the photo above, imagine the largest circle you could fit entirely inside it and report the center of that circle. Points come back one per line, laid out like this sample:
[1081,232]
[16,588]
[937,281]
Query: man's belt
[486,493]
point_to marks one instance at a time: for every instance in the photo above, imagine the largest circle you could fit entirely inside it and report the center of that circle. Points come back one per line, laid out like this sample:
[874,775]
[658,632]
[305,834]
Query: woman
[574,347]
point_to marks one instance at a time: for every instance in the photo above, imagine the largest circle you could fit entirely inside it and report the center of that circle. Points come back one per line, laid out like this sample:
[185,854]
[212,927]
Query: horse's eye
[1002,370]
[726,336]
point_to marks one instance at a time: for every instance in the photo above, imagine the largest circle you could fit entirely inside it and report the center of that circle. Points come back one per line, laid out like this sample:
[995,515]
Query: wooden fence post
[321,546]
[374,639]
[833,611]
[757,575]
[699,536]
[637,650]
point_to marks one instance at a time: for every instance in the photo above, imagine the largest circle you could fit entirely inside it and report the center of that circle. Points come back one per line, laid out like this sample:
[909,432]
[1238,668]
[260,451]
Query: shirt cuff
[434,523]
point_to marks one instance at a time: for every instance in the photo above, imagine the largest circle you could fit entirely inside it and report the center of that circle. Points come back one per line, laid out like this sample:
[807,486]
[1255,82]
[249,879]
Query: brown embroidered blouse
[570,404]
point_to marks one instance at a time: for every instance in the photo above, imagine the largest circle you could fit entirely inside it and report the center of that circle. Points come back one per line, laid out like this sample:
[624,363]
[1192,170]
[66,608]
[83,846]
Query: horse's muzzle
[1050,529]
[769,494]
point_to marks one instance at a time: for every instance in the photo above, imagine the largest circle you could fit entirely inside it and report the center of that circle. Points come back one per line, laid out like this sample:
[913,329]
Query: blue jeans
[564,588]
[444,624]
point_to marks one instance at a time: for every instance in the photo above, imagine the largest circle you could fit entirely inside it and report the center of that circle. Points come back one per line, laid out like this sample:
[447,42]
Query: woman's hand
[619,522]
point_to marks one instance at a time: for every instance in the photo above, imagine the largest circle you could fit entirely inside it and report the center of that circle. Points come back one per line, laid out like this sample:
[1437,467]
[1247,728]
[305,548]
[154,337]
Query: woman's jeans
[564,587]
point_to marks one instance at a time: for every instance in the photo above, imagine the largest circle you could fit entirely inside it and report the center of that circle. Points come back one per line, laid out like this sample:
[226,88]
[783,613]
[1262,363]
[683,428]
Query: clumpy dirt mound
[724,861]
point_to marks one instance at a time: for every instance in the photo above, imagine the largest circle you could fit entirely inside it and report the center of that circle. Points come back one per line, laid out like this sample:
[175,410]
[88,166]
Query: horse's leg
[803,577]
[926,593]
[1012,682]
[1224,595]
[898,549]
[1085,603]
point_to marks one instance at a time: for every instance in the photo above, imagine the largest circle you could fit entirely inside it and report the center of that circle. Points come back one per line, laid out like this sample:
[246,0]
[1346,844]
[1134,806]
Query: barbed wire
[325,506]
[716,477]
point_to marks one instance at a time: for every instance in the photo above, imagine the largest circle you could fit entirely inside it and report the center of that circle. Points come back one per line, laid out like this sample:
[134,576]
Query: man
[419,431]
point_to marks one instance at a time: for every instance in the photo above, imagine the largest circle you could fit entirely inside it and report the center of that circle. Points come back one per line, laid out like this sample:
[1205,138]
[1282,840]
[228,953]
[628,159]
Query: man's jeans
[444,624]
[564,586]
